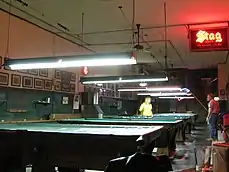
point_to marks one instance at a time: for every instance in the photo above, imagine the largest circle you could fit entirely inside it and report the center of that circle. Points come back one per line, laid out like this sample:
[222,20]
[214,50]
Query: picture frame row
[31,82]
[35,72]
[59,74]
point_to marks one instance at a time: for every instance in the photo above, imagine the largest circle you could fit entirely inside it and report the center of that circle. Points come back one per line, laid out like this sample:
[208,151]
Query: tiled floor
[196,142]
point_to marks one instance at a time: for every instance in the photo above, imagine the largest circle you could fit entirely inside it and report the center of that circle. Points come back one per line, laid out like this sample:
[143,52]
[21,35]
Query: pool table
[76,146]
[173,129]
[189,119]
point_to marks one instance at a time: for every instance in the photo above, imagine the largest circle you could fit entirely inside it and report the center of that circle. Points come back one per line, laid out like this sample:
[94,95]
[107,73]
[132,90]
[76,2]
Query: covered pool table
[173,129]
[79,146]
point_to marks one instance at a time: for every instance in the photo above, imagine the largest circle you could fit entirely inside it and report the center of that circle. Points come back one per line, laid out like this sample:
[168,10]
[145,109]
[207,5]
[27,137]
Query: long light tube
[175,97]
[153,89]
[121,80]
[76,61]
[164,94]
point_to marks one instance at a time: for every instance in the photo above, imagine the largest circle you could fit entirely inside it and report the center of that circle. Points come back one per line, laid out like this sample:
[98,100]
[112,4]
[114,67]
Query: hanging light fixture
[176,97]
[153,89]
[163,94]
[123,79]
[72,61]
[142,84]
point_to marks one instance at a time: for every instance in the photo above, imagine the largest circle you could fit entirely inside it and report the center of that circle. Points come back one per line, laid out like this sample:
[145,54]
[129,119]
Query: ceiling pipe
[123,43]
[48,24]
[226,58]
[155,27]
[133,22]
[166,38]
[147,42]
[177,52]
[133,33]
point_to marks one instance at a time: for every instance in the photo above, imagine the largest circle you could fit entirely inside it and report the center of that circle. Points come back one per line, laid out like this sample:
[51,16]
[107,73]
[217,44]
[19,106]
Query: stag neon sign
[204,36]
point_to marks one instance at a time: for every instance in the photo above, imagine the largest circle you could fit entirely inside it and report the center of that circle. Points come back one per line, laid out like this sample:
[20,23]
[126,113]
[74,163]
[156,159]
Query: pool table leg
[41,163]
[183,133]
[188,127]
[172,142]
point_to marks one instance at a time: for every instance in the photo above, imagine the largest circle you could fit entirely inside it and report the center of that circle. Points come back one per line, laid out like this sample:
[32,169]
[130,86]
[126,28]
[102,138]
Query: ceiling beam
[155,27]
[48,24]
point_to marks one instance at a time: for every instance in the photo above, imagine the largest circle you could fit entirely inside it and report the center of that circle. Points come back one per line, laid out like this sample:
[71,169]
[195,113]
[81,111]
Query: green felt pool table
[72,145]
[189,119]
[168,123]
[174,129]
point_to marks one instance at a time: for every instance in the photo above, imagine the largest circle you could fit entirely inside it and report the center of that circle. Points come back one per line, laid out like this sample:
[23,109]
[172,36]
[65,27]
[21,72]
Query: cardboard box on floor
[220,157]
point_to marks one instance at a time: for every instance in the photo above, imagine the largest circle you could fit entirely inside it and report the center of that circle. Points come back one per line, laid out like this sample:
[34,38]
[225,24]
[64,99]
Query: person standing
[146,107]
[212,117]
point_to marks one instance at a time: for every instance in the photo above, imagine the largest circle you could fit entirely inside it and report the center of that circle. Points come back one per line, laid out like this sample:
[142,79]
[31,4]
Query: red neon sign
[203,36]
[209,39]
[84,70]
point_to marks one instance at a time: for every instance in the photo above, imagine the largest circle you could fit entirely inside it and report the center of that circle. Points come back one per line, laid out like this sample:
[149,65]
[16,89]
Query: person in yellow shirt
[146,107]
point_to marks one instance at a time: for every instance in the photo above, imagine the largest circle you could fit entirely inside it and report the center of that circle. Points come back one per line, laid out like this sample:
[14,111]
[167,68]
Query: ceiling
[108,28]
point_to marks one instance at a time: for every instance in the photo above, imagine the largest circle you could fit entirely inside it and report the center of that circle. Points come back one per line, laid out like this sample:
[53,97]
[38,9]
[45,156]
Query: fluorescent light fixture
[164,94]
[175,97]
[142,84]
[72,61]
[122,79]
[153,89]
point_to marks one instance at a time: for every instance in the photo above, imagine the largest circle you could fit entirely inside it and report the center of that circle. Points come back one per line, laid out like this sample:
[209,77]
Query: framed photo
[43,72]
[72,88]
[15,80]
[73,77]
[48,84]
[57,86]
[65,100]
[33,72]
[4,78]
[57,74]
[27,82]
[38,83]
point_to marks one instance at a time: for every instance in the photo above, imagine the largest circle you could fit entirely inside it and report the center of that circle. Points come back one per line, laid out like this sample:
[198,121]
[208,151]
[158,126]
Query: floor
[191,153]
[186,158]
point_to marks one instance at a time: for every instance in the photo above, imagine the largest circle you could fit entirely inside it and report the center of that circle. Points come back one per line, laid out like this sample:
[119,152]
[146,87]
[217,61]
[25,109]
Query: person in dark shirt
[141,162]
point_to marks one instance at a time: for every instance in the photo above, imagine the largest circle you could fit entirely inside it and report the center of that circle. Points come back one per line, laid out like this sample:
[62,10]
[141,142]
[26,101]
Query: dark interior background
[195,80]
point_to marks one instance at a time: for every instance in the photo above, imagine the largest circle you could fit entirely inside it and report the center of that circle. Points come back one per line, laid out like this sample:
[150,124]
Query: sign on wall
[209,39]
[84,70]
[223,81]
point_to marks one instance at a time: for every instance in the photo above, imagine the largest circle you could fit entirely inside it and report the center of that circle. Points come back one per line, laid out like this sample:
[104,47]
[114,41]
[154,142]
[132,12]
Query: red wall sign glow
[84,71]
[209,39]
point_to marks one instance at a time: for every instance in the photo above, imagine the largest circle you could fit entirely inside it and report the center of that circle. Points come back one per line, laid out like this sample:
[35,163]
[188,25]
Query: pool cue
[200,102]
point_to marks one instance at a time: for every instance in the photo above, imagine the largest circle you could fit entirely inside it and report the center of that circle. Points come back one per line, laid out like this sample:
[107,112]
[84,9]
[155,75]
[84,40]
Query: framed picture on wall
[73,77]
[38,83]
[48,84]
[15,80]
[33,72]
[58,86]
[43,72]
[57,74]
[73,88]
[27,82]
[65,100]
[4,78]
